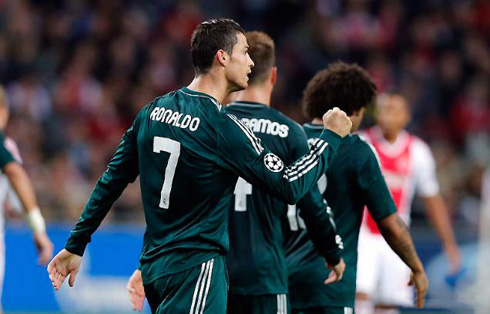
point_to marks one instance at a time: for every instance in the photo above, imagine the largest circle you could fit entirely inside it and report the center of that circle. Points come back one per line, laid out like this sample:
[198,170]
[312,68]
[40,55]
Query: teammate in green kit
[256,260]
[189,154]
[354,181]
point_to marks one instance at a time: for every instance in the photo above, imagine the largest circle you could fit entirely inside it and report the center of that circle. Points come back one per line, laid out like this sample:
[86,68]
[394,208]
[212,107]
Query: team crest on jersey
[273,163]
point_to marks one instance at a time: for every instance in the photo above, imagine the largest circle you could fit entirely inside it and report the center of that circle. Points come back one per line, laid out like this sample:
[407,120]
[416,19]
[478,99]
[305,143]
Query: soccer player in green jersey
[354,181]
[256,260]
[189,153]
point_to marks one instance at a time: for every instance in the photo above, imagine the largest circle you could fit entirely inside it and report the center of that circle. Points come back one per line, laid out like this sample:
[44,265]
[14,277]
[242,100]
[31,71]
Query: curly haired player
[354,181]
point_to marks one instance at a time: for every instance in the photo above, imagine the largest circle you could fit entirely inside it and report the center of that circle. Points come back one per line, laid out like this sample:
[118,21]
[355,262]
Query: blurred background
[76,73]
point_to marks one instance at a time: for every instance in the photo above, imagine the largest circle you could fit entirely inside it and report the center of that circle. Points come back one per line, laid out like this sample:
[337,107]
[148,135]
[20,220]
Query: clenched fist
[337,121]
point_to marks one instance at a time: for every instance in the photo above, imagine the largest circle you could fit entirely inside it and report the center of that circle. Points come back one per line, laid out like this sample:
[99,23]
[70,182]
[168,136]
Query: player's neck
[256,93]
[317,121]
[211,84]
[390,137]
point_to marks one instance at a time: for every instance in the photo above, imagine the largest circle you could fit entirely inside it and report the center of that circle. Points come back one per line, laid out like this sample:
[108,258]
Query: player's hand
[62,265]
[44,247]
[454,258]
[136,290]
[337,121]
[419,279]
[336,273]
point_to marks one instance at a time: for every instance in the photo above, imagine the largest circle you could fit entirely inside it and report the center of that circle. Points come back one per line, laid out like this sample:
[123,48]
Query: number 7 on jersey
[173,148]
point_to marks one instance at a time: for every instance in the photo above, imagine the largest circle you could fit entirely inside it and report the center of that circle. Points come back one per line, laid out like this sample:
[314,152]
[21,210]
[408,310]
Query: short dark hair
[208,38]
[262,52]
[347,86]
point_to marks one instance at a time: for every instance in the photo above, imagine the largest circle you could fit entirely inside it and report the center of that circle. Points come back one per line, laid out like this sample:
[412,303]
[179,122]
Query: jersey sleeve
[315,213]
[121,170]
[320,226]
[241,152]
[425,170]
[373,187]
[5,156]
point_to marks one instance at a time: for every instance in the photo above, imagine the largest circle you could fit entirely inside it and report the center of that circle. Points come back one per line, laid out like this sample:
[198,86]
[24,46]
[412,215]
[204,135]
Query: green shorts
[258,304]
[199,290]
[325,310]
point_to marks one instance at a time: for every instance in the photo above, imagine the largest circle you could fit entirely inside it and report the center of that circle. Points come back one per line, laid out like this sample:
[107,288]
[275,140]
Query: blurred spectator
[78,71]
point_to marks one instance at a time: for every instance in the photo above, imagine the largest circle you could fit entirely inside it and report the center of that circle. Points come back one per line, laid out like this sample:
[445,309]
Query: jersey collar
[247,103]
[313,126]
[194,93]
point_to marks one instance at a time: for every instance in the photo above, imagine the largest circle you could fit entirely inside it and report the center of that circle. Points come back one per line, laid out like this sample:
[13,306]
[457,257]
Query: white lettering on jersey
[266,126]
[176,118]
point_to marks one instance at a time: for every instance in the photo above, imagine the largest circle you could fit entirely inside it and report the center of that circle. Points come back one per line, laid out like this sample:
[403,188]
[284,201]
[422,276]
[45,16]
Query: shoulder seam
[246,130]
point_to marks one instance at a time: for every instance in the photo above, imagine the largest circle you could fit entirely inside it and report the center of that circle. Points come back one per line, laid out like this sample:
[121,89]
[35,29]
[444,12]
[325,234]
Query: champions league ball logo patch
[273,163]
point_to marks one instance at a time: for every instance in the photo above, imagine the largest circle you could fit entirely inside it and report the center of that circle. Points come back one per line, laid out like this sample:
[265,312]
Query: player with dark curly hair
[355,181]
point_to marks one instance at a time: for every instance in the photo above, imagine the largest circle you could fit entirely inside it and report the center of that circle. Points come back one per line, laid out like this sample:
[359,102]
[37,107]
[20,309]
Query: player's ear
[222,57]
[359,112]
[273,77]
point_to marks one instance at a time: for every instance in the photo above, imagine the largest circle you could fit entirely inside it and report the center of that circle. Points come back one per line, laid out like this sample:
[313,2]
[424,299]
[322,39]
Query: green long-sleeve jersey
[189,153]
[354,181]
[256,260]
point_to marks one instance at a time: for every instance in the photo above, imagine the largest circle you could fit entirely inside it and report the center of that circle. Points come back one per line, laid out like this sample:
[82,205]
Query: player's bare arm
[398,237]
[22,186]
[439,216]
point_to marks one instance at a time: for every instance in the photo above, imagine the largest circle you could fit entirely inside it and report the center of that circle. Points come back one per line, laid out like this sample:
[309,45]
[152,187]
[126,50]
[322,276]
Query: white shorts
[381,274]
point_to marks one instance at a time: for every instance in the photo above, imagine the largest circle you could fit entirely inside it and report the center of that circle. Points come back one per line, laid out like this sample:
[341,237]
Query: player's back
[349,177]
[181,184]
[256,261]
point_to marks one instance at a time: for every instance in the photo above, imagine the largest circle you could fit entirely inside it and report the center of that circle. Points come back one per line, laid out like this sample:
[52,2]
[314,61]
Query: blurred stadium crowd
[76,73]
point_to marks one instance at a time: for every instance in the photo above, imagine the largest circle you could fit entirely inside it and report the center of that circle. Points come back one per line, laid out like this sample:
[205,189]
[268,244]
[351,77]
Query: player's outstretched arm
[398,237]
[241,152]
[64,264]
[136,290]
[121,170]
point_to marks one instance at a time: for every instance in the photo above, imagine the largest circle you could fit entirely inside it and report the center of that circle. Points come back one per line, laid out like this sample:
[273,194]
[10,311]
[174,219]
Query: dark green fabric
[258,304]
[198,290]
[5,156]
[325,310]
[354,181]
[189,225]
[256,260]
